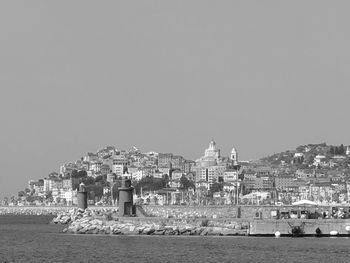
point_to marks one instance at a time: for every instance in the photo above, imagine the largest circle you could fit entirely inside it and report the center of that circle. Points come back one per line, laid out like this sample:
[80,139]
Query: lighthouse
[126,204]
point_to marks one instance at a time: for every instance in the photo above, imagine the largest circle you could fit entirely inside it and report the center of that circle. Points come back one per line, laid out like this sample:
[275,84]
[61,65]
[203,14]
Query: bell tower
[234,156]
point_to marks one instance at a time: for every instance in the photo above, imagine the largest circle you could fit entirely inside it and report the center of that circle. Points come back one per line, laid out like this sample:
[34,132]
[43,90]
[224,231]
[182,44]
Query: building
[234,156]
[96,166]
[67,183]
[176,174]
[165,160]
[211,156]
[52,183]
[283,182]
[105,169]
[177,162]
[230,175]
[211,173]
[263,183]
[188,166]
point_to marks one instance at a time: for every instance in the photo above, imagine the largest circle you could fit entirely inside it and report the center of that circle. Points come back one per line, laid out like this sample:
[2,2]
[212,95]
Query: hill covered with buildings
[318,172]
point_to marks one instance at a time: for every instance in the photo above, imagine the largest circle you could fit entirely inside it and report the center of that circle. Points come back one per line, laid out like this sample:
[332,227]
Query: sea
[33,239]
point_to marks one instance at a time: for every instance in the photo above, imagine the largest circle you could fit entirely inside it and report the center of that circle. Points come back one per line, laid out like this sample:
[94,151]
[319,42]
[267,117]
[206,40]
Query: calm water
[30,239]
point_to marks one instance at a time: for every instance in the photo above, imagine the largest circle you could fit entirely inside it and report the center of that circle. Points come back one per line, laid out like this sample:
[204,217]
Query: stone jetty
[108,223]
[32,210]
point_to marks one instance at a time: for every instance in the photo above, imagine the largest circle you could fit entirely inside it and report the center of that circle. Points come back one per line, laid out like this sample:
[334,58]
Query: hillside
[312,155]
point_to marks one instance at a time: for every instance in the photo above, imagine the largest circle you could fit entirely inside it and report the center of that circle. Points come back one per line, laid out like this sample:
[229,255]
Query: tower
[126,204]
[234,156]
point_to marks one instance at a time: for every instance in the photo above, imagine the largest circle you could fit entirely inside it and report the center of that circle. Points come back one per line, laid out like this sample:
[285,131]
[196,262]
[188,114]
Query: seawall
[306,226]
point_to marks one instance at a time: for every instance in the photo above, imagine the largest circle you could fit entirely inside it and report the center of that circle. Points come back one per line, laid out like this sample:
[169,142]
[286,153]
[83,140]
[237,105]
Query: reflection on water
[44,243]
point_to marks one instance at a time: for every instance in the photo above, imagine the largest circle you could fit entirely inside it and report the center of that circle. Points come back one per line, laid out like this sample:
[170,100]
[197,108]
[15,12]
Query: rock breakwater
[108,223]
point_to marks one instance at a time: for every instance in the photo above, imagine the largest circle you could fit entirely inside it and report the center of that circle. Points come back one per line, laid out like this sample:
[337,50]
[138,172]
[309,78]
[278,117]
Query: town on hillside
[316,172]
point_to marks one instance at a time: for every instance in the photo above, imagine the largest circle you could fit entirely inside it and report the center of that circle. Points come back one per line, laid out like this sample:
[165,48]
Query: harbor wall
[309,226]
[227,211]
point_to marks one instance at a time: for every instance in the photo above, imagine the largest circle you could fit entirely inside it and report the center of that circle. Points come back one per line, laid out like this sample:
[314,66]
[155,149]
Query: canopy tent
[304,202]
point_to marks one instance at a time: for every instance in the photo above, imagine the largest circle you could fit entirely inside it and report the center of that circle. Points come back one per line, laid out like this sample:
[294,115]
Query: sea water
[32,239]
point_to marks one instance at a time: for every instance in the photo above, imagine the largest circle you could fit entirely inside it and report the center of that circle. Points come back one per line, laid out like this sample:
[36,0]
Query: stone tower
[234,156]
[126,203]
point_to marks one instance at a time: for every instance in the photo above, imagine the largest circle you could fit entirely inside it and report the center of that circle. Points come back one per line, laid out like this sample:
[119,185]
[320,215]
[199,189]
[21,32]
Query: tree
[48,194]
[216,187]
[82,174]
[89,180]
[185,184]
[150,184]
[78,174]
[5,200]
[74,174]
[21,193]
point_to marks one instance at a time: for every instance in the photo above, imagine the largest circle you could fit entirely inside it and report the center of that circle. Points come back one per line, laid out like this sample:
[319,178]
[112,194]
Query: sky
[168,76]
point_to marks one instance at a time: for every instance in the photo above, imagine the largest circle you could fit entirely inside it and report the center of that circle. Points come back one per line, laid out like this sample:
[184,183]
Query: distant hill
[331,156]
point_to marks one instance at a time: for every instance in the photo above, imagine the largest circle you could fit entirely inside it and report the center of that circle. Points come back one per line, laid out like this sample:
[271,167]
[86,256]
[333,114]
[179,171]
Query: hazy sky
[263,76]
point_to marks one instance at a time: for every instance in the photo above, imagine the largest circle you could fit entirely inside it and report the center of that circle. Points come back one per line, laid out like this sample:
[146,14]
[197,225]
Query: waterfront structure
[126,205]
[82,197]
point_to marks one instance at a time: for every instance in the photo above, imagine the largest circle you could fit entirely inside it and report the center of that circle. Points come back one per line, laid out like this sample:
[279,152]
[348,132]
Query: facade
[177,162]
[105,169]
[176,174]
[165,160]
[52,183]
[188,166]
[67,183]
[211,173]
[230,175]
[118,169]
[282,182]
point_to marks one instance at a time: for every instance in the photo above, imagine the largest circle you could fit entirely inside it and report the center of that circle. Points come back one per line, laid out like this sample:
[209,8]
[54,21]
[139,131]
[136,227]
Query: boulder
[148,231]
[159,232]
[229,232]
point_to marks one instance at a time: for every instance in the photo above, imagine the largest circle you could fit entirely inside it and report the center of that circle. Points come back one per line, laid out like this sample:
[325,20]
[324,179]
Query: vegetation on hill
[304,156]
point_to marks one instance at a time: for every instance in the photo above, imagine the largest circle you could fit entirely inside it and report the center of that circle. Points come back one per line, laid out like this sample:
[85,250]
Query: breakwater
[186,220]
[108,223]
[306,227]
[215,212]
[44,210]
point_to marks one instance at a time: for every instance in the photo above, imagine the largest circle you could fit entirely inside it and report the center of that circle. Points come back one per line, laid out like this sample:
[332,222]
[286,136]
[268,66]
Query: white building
[211,173]
[211,156]
[230,175]
[234,156]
